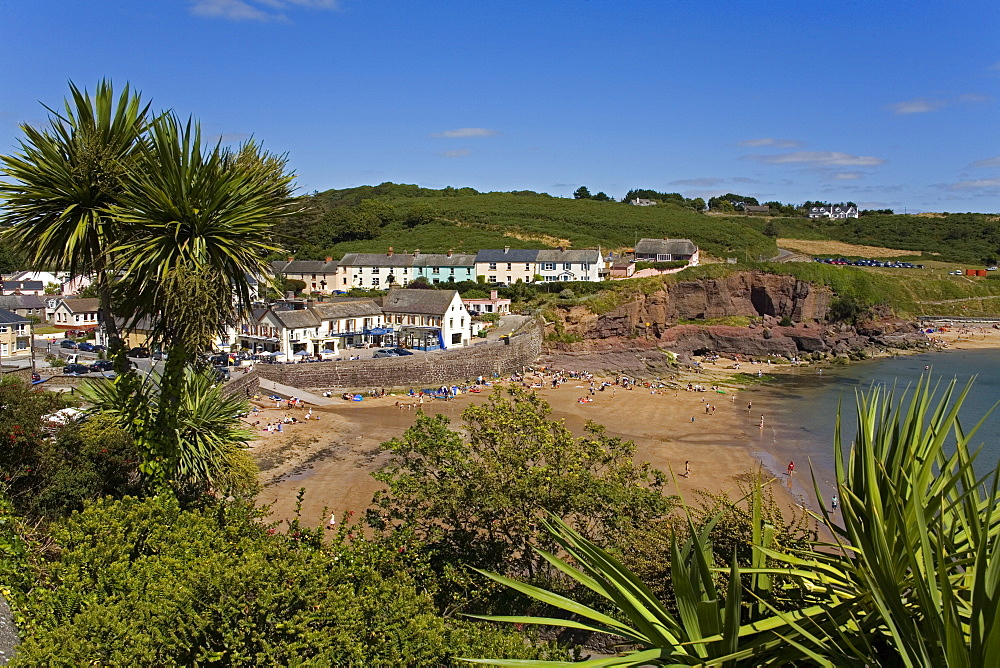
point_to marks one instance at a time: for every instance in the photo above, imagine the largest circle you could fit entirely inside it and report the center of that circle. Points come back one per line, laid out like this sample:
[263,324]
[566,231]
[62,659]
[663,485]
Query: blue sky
[889,104]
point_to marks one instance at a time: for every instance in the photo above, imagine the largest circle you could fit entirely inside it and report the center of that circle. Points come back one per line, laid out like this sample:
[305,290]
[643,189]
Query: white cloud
[456,153]
[462,133]
[819,159]
[919,105]
[978,184]
[987,162]
[255,10]
[847,176]
[774,143]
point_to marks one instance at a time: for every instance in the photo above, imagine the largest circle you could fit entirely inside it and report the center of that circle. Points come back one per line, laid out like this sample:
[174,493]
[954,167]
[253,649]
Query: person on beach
[834,501]
[687,469]
[749,406]
[761,421]
[791,468]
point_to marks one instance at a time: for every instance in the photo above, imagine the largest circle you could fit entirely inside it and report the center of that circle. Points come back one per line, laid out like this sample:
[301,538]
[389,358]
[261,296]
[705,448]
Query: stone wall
[419,370]
[247,384]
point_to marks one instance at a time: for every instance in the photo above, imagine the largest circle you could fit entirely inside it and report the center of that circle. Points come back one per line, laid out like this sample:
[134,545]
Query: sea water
[800,410]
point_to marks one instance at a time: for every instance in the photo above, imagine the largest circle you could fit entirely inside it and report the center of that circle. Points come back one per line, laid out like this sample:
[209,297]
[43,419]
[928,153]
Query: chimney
[493,295]
[506,249]
[450,251]
[416,252]
[291,258]
[329,259]
[310,302]
[389,252]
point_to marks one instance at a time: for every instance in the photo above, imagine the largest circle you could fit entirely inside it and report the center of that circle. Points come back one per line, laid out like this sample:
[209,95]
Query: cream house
[428,319]
[76,314]
[15,335]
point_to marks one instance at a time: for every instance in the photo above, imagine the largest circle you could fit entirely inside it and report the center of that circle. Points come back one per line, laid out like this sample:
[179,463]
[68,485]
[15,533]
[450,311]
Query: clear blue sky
[890,104]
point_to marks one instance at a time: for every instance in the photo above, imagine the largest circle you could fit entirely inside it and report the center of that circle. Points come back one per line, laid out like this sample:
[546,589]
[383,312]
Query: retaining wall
[246,384]
[419,370]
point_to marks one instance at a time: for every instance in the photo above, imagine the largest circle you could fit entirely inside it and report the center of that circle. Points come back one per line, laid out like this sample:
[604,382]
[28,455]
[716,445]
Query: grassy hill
[972,238]
[371,218]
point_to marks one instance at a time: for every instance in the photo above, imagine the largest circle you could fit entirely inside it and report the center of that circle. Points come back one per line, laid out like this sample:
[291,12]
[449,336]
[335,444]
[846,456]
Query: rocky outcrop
[651,321]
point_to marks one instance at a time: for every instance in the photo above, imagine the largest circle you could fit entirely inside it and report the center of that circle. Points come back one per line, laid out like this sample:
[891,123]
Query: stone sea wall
[419,370]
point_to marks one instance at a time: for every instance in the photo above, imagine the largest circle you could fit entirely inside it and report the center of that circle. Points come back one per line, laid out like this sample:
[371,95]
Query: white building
[428,319]
[569,265]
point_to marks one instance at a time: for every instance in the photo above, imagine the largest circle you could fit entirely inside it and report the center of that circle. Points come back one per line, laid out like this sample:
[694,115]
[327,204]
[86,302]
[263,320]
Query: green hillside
[371,218]
[972,238]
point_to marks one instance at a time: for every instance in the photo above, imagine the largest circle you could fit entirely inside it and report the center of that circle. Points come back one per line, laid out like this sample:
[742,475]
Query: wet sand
[333,457]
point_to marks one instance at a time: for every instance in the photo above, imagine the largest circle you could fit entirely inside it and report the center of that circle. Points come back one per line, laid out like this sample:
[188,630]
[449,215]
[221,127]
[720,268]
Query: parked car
[102,365]
[403,352]
[85,346]
[386,352]
[36,377]
[75,370]
[68,343]
[139,352]
[160,355]
[991,268]
[956,272]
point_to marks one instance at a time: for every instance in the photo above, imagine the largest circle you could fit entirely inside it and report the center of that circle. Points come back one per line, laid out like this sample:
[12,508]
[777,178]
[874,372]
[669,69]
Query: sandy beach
[333,457]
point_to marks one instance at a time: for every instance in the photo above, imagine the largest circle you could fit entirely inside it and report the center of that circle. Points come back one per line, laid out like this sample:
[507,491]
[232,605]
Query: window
[22,344]
[375,280]
[550,279]
[567,266]
[451,323]
[549,266]
[374,270]
[493,265]
[314,277]
[509,266]
[344,280]
[456,338]
[437,280]
[585,266]
[453,271]
[509,281]
[436,270]
[3,329]
[492,279]
[527,266]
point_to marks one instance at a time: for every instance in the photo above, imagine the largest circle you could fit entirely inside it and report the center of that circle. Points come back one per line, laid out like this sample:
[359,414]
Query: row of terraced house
[504,266]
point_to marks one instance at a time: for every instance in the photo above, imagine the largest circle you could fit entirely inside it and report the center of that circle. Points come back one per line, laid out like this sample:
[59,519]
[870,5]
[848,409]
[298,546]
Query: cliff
[650,321]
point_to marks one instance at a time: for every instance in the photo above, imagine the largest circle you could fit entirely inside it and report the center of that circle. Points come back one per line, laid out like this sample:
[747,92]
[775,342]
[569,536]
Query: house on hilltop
[750,209]
[639,201]
[835,211]
[76,314]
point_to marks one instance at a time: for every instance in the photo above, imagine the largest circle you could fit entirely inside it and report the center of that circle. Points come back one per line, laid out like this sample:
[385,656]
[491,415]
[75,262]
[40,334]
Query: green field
[336,222]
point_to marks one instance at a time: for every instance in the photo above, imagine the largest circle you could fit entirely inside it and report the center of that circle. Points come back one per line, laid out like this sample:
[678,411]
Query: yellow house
[15,336]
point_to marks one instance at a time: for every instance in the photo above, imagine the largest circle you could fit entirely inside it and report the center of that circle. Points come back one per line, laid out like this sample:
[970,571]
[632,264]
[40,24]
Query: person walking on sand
[761,421]
[687,469]
[834,501]
[791,468]
[749,406]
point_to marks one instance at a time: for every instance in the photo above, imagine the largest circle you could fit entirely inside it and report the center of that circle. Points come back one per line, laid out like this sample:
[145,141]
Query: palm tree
[207,436]
[197,211]
[912,577]
[65,178]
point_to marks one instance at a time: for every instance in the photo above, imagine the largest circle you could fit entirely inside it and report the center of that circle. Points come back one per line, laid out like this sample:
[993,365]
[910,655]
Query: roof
[21,301]
[752,207]
[297,319]
[8,318]
[377,260]
[444,260]
[304,267]
[557,255]
[415,300]
[346,309]
[23,285]
[86,305]
[508,255]
[666,247]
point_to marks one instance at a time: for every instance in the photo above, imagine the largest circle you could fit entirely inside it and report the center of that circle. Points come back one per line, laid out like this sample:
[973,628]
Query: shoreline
[334,456]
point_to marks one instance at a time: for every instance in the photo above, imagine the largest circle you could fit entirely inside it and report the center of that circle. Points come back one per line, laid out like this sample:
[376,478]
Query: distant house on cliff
[751,209]
[666,250]
[639,201]
[837,211]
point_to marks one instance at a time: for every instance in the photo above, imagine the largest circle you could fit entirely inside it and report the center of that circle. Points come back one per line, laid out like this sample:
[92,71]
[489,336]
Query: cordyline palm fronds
[207,428]
[62,182]
[197,210]
[911,579]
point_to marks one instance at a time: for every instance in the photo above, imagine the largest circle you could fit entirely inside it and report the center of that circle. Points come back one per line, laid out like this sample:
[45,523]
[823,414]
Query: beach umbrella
[303,353]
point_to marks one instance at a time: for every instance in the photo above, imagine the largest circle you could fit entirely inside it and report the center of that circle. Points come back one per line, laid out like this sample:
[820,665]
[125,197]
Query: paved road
[507,324]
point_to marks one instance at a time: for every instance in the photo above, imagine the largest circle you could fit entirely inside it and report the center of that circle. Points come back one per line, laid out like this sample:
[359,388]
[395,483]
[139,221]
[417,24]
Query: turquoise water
[800,410]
